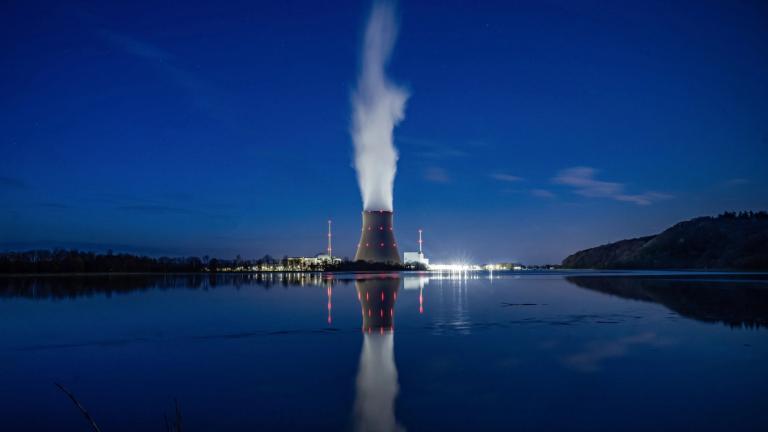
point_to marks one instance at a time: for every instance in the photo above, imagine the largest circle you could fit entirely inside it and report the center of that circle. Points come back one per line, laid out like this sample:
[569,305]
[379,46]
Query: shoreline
[605,272]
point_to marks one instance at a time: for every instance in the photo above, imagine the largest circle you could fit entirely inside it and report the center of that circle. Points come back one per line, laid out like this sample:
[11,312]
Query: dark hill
[737,302]
[729,241]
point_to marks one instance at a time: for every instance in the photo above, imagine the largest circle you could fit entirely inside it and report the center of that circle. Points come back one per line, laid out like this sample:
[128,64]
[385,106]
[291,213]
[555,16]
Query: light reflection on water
[376,383]
[542,351]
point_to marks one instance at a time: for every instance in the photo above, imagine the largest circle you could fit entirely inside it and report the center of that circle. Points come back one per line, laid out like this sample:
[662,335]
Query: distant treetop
[743,215]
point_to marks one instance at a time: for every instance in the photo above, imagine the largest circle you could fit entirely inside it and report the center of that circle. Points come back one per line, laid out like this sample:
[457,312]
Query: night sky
[533,129]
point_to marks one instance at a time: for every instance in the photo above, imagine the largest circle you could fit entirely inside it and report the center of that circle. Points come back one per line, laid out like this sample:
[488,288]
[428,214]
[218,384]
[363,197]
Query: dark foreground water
[584,351]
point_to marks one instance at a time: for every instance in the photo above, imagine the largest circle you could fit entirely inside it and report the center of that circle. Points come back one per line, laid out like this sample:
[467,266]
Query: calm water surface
[578,351]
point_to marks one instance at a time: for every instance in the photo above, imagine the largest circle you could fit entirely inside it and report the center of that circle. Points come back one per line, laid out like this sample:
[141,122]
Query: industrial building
[311,263]
[316,262]
[416,257]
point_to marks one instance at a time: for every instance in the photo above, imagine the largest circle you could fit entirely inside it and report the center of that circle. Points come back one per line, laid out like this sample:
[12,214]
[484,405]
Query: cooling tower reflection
[377,386]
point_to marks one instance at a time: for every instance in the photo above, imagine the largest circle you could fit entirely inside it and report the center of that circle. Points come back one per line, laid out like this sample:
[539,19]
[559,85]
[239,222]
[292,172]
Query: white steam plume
[378,105]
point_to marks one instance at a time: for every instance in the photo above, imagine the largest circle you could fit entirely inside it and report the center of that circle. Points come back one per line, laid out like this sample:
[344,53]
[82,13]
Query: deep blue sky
[221,128]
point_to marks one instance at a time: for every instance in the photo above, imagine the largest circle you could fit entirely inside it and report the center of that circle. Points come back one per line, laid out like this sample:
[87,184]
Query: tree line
[75,261]
[758,215]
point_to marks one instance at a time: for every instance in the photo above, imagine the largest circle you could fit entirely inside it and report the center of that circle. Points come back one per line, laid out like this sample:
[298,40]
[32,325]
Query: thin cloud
[162,203]
[597,353]
[442,153]
[506,177]
[436,175]
[584,183]
[157,209]
[202,93]
[542,193]
[135,46]
[645,198]
[736,182]
[161,209]
[428,149]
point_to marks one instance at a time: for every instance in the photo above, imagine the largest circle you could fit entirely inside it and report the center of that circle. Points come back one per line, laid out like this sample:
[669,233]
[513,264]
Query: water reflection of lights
[377,302]
[421,300]
[285,279]
[451,290]
[415,282]
[329,290]
[456,276]
[377,382]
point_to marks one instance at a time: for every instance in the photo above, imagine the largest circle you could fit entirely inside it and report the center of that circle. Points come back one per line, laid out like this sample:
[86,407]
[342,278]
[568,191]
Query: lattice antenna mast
[420,252]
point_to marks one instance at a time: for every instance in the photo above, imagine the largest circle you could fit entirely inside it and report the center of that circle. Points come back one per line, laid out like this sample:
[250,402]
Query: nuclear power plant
[378,105]
[377,240]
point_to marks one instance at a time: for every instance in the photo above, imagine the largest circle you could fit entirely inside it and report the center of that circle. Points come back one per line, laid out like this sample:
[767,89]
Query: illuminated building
[503,266]
[311,263]
[416,257]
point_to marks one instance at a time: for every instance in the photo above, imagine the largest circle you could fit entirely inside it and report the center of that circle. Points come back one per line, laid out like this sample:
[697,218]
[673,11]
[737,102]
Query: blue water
[530,351]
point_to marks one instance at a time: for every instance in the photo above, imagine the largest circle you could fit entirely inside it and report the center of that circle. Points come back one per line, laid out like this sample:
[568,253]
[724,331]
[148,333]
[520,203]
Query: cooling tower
[377,302]
[377,241]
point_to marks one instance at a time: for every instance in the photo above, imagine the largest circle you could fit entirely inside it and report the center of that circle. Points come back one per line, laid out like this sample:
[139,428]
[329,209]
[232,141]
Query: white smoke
[377,386]
[378,105]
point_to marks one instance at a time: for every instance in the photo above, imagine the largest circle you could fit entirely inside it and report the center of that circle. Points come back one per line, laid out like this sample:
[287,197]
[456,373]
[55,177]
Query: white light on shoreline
[454,268]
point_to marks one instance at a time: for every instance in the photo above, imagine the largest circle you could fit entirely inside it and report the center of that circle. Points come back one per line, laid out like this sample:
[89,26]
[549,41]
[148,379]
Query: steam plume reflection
[377,384]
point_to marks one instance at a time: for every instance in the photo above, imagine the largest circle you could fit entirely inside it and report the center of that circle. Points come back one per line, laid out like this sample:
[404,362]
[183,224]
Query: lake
[380,352]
